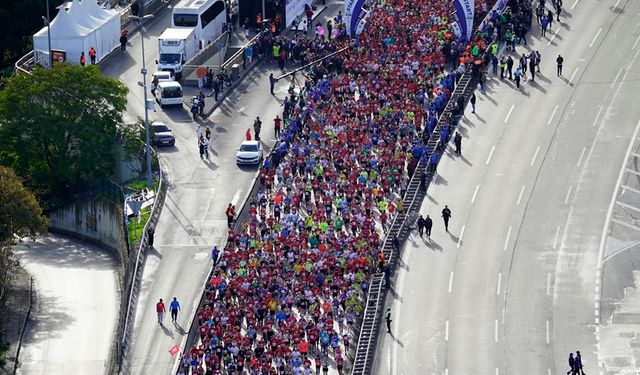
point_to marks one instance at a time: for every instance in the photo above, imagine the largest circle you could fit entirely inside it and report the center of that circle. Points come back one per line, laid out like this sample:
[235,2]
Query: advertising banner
[293,9]
[354,15]
[463,18]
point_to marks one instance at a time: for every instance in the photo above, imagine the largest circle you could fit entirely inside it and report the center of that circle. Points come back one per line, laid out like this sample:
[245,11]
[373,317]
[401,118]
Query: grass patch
[136,227]
[138,185]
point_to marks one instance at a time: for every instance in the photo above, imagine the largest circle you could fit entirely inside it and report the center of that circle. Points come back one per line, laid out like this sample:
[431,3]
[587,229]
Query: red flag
[174,350]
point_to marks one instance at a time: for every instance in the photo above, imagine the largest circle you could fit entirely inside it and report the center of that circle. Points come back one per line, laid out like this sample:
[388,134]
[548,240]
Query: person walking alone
[457,141]
[473,102]
[160,310]
[272,83]
[503,66]
[277,123]
[257,125]
[559,62]
[174,307]
[428,223]
[446,215]
[388,319]
[510,67]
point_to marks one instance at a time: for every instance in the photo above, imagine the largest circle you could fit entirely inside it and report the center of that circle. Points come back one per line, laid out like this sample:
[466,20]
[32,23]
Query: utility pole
[47,22]
[143,71]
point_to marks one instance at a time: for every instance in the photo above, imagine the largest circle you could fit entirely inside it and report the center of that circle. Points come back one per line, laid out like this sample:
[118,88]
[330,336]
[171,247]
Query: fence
[366,348]
[120,362]
[189,69]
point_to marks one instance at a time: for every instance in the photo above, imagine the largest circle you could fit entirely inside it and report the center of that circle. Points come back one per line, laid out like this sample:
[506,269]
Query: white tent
[85,25]
[111,25]
[66,35]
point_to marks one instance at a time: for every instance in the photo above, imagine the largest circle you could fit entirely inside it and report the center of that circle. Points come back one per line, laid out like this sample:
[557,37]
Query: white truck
[176,46]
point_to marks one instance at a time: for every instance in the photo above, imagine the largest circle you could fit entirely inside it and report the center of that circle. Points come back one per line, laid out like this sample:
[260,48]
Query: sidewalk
[327,11]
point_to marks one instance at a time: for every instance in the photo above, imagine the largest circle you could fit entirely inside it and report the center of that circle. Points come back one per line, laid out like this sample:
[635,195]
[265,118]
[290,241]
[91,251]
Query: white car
[249,152]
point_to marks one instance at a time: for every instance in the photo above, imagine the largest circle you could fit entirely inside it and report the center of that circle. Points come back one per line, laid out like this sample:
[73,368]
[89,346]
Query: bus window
[210,14]
[185,20]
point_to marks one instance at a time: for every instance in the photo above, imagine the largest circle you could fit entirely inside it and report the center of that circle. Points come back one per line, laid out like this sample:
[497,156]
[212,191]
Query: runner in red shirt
[160,309]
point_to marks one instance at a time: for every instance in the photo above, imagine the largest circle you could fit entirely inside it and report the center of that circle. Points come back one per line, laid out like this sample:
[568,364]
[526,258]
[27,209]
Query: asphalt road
[193,219]
[72,323]
[511,288]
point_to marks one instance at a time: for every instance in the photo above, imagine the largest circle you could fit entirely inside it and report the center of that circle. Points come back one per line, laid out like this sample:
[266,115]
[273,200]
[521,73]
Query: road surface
[72,324]
[513,286]
[193,218]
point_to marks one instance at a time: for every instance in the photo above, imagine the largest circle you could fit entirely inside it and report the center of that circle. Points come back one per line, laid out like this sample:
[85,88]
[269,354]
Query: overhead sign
[463,18]
[354,15]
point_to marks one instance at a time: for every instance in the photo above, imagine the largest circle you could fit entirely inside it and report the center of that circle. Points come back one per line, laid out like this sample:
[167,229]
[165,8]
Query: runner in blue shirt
[174,307]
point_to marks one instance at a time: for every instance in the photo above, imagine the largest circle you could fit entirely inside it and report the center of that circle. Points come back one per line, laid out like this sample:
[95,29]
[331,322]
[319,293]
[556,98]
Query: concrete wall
[97,220]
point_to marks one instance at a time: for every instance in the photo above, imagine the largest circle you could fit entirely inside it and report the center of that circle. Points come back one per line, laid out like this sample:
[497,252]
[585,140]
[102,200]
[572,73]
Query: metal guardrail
[132,283]
[366,347]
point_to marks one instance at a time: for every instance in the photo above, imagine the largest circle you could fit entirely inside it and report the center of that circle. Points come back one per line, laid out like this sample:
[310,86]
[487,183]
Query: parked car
[158,77]
[249,153]
[169,93]
[162,134]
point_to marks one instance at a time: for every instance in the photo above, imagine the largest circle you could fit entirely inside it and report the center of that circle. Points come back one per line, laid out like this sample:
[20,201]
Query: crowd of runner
[290,283]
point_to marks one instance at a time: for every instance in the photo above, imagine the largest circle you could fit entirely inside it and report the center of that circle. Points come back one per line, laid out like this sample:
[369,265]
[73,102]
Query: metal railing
[370,326]
[133,278]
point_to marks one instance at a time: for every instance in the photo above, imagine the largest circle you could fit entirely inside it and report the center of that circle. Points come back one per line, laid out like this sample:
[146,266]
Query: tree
[58,128]
[20,216]
[133,144]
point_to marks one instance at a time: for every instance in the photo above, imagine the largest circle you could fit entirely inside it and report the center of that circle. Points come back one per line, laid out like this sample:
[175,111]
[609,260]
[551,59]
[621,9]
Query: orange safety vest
[92,52]
[83,60]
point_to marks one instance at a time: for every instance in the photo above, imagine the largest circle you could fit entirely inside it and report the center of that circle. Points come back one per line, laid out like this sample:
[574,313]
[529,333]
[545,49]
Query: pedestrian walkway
[74,317]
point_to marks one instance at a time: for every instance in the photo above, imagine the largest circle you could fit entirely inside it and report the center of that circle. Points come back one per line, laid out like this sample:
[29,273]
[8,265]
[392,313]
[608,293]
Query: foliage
[20,216]
[136,227]
[58,128]
[20,20]
[133,143]
[20,213]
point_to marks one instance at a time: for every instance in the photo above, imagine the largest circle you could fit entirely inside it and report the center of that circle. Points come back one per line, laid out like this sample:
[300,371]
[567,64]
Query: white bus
[206,17]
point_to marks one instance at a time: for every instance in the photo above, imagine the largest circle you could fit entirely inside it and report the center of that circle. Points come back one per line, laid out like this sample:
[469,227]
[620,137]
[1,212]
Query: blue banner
[463,18]
[354,14]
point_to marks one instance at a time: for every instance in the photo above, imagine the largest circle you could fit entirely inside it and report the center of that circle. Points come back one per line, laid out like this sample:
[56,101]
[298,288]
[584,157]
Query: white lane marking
[554,35]
[548,283]
[461,234]
[575,3]
[595,120]
[446,330]
[506,240]
[490,154]
[595,37]
[236,197]
[499,282]
[584,149]
[566,198]
[616,78]
[616,5]
[497,371]
[635,44]
[506,119]
[475,192]
[204,215]
[552,114]
[496,331]
[446,371]
[548,371]
[555,239]
[534,156]
[450,281]
[572,76]
[520,195]
[547,332]
[396,308]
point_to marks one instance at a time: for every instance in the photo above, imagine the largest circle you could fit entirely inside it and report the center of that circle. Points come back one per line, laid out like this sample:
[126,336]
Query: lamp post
[48,24]
[143,71]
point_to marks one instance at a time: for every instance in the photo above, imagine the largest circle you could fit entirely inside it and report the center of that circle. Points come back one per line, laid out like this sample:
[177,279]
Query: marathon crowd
[290,283]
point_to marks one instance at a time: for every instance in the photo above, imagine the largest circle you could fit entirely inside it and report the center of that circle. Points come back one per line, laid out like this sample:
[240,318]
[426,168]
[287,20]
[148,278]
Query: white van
[169,93]
[158,77]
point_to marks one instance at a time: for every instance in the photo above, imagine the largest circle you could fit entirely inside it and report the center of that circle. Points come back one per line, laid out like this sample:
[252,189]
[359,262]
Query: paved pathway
[73,321]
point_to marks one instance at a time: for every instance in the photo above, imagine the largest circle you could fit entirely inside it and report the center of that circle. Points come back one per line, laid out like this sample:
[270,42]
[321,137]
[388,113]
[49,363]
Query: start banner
[463,18]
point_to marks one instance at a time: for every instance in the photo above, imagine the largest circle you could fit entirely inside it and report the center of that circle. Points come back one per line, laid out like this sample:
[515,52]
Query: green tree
[58,128]
[20,216]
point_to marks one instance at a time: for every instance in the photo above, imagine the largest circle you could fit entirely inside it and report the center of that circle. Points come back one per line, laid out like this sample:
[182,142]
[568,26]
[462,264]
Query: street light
[146,107]
[48,24]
